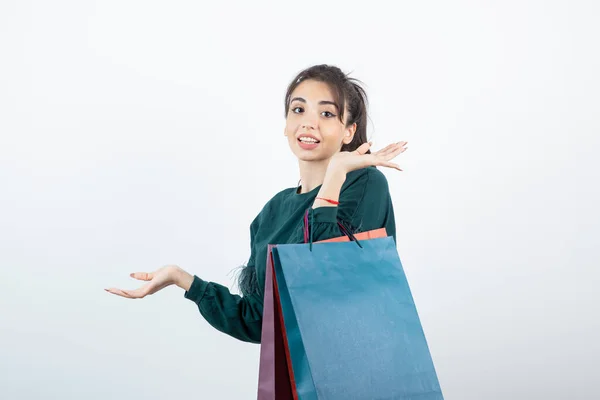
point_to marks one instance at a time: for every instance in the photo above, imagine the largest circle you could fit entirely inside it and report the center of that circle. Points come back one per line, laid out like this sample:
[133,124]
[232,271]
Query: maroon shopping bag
[273,375]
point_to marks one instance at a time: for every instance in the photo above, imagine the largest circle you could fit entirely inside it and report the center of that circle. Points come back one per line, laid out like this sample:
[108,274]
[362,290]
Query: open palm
[347,161]
[157,280]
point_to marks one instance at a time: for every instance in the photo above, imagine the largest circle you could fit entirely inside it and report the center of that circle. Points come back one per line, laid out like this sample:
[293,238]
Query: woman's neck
[312,174]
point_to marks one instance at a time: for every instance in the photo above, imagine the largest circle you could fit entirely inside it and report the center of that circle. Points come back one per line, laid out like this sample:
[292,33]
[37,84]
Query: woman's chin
[303,155]
[309,155]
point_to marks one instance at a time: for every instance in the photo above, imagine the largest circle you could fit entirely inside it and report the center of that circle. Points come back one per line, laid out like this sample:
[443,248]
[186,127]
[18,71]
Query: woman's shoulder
[276,200]
[370,176]
[283,194]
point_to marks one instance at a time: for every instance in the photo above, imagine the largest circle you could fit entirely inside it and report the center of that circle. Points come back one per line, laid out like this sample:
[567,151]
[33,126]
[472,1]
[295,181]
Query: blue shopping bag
[352,328]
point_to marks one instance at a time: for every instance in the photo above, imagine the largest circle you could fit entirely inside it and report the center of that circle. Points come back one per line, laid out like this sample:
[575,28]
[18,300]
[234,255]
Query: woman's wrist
[183,279]
[332,185]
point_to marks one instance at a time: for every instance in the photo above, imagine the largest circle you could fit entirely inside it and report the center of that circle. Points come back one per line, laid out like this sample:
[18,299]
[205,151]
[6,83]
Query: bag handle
[309,238]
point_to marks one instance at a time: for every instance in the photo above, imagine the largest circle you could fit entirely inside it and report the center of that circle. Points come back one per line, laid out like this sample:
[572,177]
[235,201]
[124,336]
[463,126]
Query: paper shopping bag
[352,327]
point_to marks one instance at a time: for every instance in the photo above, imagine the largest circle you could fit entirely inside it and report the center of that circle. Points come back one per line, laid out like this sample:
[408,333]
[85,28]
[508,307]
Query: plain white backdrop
[135,134]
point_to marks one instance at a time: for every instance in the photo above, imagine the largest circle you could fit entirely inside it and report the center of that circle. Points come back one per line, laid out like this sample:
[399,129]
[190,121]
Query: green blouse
[365,204]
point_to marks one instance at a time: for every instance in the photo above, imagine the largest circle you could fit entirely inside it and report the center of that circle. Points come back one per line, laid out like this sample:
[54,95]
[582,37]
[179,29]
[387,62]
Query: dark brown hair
[346,91]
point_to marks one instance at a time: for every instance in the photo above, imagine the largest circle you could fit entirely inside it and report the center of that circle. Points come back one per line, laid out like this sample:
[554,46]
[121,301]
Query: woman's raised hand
[346,161]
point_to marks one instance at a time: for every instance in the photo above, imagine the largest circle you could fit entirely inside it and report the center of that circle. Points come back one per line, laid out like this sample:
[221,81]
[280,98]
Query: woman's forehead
[316,91]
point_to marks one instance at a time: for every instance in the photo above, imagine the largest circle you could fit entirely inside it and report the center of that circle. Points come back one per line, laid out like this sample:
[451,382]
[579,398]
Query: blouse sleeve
[235,315]
[365,204]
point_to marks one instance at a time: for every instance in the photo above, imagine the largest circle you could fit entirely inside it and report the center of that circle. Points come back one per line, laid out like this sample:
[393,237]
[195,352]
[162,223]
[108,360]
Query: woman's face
[312,126]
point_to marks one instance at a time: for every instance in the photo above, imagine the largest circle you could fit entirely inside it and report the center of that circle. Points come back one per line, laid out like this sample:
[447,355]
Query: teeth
[308,140]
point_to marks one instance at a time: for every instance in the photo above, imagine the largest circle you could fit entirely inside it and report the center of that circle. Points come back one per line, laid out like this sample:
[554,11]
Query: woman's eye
[326,114]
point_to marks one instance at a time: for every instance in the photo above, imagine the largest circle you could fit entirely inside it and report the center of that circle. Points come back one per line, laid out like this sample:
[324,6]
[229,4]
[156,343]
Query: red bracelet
[328,200]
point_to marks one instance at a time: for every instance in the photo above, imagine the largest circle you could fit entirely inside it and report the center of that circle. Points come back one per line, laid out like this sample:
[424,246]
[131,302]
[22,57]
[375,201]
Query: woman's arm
[237,316]
[364,204]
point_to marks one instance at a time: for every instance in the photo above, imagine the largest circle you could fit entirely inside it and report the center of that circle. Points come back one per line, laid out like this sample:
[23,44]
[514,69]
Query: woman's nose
[309,123]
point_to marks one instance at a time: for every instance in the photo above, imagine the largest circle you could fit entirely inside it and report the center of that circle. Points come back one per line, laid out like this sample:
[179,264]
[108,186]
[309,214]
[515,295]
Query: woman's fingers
[142,276]
[147,289]
[394,148]
[371,159]
[391,165]
[118,292]
[385,149]
[393,152]
[383,158]
[396,151]
[130,294]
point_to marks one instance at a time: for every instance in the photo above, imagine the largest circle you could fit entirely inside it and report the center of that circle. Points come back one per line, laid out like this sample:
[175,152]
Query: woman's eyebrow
[300,99]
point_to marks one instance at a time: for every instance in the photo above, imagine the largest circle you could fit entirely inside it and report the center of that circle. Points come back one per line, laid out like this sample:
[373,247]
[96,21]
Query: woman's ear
[349,134]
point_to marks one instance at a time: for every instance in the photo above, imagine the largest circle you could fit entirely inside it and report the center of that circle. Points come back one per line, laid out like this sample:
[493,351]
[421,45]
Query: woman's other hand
[157,280]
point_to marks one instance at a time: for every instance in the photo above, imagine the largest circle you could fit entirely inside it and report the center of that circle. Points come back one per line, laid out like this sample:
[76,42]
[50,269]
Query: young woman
[326,128]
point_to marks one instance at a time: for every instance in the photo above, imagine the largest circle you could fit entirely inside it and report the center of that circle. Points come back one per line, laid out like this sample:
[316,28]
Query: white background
[139,134]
